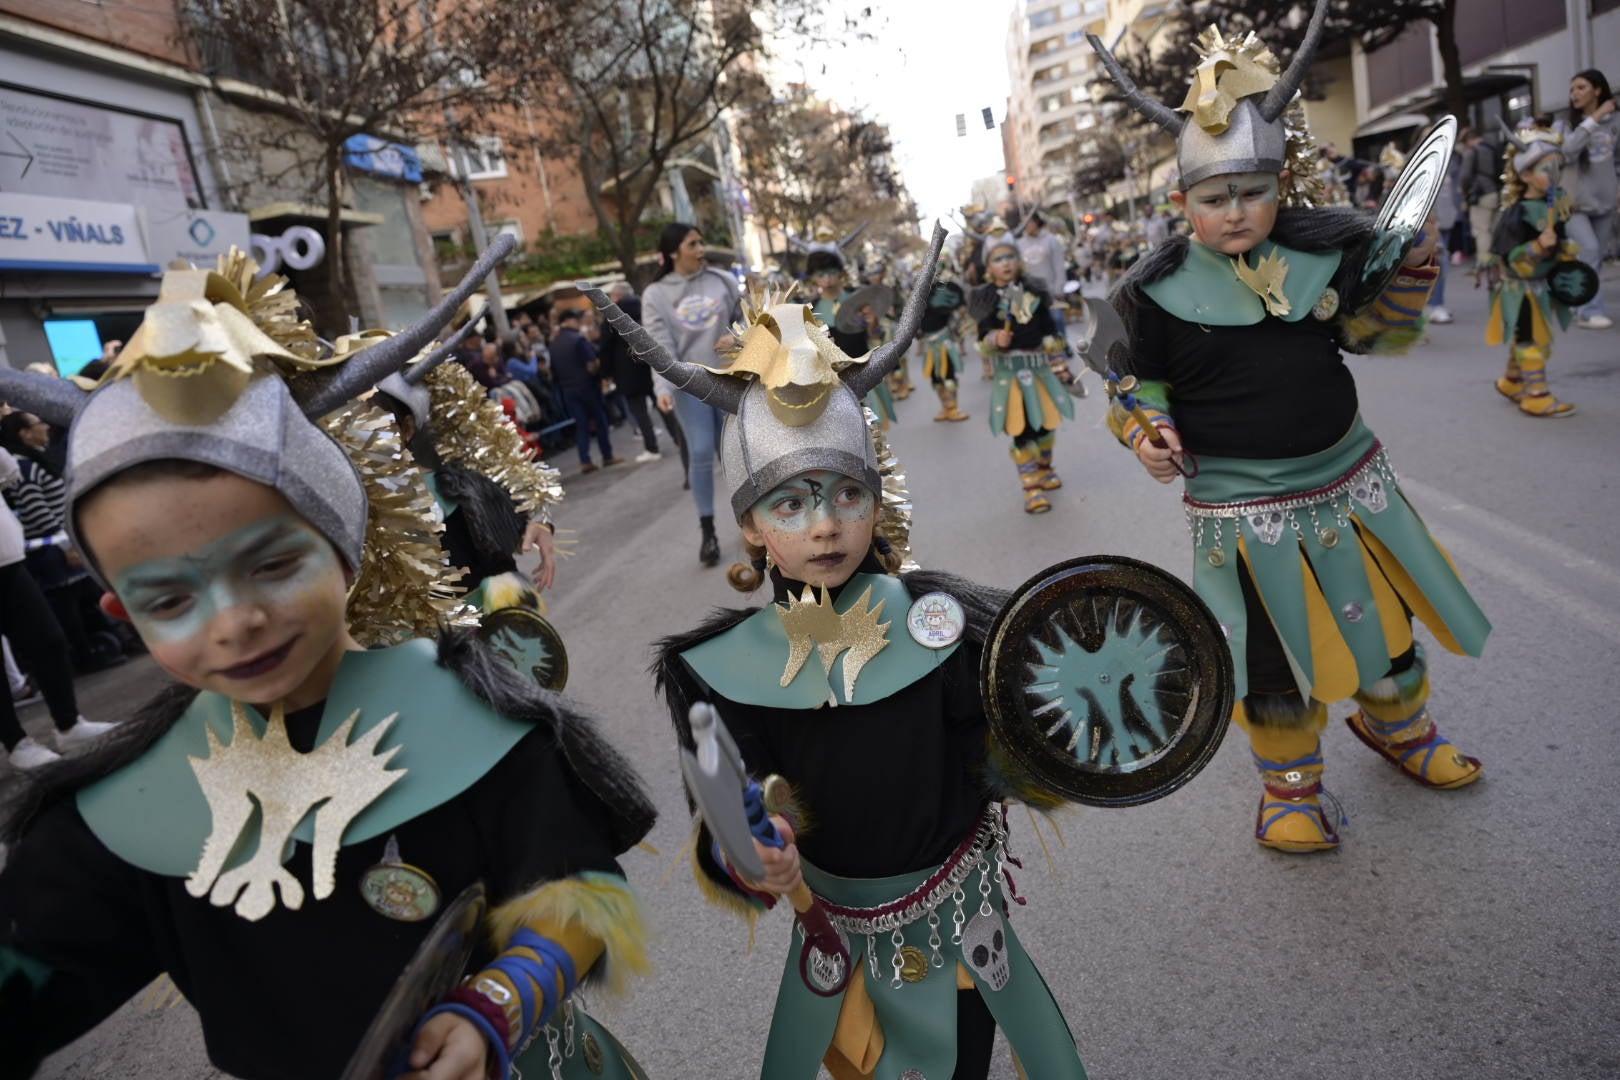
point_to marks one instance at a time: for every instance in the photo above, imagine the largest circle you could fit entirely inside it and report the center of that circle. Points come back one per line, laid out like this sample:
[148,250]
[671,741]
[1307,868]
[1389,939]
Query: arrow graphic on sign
[26,155]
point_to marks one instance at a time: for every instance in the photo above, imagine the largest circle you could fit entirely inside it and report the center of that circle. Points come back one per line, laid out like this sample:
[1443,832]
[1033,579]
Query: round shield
[439,964]
[1573,283]
[523,637]
[1108,679]
[947,296]
[880,298]
[1405,209]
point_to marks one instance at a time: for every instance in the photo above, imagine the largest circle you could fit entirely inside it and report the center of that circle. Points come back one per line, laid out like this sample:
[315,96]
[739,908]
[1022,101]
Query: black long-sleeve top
[887,788]
[289,996]
[1275,389]
[1027,336]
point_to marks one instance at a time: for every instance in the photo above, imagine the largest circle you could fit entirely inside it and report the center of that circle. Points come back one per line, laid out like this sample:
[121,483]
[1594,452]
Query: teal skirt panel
[589,1052]
[942,358]
[918,1020]
[1020,373]
[881,401]
[1303,521]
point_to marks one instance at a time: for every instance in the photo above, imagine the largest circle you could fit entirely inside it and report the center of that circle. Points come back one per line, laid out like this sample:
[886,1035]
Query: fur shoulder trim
[603,770]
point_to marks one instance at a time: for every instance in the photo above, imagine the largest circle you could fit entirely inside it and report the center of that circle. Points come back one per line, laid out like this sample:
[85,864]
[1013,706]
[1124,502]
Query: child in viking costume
[942,355]
[1305,547]
[1529,247]
[829,282]
[495,501]
[278,830]
[1019,338]
[830,665]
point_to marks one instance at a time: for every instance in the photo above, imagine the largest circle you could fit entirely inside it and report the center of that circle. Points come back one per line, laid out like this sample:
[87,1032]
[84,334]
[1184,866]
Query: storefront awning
[311,212]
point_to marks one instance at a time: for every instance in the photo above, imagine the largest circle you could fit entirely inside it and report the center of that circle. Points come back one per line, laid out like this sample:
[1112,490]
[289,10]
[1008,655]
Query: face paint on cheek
[280,564]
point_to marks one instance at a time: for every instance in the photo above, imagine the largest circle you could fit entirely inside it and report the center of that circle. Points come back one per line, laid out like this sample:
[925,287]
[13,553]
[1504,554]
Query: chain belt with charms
[988,840]
[1368,482]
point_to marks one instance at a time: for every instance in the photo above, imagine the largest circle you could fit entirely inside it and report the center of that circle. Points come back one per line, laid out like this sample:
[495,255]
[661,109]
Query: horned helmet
[791,395]
[1237,103]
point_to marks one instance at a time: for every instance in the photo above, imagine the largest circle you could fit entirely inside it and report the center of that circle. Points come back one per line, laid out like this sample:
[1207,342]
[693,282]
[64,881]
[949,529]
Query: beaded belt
[989,838]
[1368,482]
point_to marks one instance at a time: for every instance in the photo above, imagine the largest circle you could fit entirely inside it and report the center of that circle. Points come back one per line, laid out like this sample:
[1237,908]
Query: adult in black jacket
[633,380]
[578,371]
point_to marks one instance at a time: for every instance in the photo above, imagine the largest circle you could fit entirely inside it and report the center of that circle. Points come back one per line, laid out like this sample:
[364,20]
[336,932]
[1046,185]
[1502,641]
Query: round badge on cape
[1108,679]
[936,620]
[439,964]
[524,638]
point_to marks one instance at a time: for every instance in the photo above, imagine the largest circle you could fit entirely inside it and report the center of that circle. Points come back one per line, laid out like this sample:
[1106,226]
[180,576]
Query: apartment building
[1049,111]
[1517,59]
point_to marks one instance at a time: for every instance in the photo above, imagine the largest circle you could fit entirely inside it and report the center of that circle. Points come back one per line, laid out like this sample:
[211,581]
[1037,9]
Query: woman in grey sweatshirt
[689,311]
[1590,165]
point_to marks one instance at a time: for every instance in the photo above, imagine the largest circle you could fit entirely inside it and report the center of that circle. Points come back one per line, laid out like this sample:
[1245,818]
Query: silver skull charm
[1267,525]
[1026,377]
[984,947]
[1370,493]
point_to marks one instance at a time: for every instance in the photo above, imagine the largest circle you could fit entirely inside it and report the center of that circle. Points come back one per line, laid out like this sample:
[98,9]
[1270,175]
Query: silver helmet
[1236,102]
[190,398]
[793,397]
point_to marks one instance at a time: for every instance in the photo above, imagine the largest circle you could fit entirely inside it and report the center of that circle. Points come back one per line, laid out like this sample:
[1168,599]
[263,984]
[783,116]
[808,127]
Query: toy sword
[733,807]
[1106,331]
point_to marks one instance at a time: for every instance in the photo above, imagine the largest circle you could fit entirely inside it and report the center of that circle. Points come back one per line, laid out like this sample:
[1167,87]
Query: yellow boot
[1050,480]
[1511,382]
[948,409]
[1286,744]
[1029,474]
[1394,721]
[1536,399]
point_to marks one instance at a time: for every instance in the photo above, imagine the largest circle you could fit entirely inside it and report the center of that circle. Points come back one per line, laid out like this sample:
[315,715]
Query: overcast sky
[931,60]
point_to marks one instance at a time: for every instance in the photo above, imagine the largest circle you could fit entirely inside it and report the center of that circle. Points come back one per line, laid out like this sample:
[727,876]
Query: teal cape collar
[152,814]
[1204,289]
[745,663]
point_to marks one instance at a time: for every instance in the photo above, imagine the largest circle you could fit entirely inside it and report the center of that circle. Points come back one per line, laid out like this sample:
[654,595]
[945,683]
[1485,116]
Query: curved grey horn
[861,378]
[1278,97]
[724,392]
[843,245]
[418,371]
[52,399]
[320,392]
[1156,111]
[1512,136]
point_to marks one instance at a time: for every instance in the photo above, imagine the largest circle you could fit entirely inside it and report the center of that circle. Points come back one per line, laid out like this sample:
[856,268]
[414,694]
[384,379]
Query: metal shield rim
[435,956]
[1437,142]
[1590,276]
[531,619]
[1198,739]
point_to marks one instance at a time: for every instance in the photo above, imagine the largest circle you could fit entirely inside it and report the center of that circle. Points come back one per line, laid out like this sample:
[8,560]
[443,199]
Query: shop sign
[42,233]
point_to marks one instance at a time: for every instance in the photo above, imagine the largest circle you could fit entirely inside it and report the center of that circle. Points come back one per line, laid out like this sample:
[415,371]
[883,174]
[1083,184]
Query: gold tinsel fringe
[271,304]
[471,430]
[895,523]
[1302,159]
[405,588]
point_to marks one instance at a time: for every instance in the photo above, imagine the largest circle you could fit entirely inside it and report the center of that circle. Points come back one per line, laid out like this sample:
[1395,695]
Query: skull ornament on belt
[1370,493]
[1268,525]
[984,946]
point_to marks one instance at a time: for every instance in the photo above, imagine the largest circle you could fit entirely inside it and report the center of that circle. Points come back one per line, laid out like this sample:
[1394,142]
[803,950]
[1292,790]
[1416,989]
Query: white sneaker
[29,754]
[83,731]
[1595,322]
[648,455]
[1440,316]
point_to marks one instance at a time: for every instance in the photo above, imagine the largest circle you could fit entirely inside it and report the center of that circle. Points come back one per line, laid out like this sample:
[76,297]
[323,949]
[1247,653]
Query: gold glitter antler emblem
[336,780]
[811,622]
[1266,279]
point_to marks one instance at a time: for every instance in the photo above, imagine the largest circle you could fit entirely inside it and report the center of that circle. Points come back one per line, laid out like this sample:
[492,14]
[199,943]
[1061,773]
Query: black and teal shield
[1572,283]
[1108,679]
[439,965]
[524,639]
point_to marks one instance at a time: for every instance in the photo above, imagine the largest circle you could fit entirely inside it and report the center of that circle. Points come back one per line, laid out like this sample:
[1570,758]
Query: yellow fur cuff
[593,915]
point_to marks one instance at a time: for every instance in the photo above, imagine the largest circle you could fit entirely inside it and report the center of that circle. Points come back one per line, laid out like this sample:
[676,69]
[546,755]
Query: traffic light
[1012,182]
[1089,219]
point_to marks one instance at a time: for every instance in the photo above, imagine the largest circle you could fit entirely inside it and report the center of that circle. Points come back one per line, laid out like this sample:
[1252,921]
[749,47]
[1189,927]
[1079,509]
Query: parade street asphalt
[1455,934]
